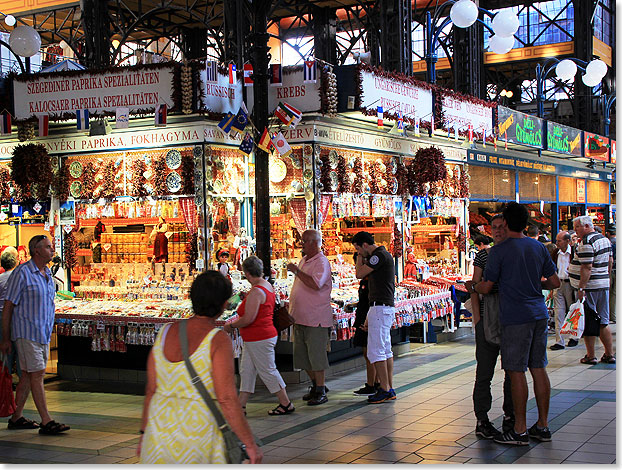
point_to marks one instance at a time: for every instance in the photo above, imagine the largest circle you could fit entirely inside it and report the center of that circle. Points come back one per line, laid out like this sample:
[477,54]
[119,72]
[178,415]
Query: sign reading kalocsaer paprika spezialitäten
[596,146]
[519,128]
[563,139]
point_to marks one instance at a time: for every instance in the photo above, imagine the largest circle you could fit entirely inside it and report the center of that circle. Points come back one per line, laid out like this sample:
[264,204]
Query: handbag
[7,399]
[235,449]
[281,317]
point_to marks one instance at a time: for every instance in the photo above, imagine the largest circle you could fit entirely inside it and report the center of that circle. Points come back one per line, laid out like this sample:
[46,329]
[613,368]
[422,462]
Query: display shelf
[118,221]
[84,252]
[367,229]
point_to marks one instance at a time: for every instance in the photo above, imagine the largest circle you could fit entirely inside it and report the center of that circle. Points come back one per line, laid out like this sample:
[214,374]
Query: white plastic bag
[574,323]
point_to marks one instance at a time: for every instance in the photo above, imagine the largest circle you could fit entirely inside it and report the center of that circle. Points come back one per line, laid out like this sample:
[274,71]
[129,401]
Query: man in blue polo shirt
[518,265]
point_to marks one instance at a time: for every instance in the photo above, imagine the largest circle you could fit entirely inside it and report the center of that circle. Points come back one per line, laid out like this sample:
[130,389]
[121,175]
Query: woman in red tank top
[260,336]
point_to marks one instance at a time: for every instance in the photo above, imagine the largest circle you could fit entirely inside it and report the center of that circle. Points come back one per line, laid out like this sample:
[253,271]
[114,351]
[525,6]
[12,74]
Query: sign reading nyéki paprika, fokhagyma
[140,89]
[596,147]
[519,128]
[563,139]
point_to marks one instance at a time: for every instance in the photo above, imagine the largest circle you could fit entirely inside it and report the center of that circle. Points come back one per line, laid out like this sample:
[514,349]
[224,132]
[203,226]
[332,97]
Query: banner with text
[139,89]
[596,146]
[219,96]
[293,91]
[563,139]
[464,113]
[519,128]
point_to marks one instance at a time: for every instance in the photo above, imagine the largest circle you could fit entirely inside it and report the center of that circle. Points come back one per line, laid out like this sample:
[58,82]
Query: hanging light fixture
[464,13]
[25,41]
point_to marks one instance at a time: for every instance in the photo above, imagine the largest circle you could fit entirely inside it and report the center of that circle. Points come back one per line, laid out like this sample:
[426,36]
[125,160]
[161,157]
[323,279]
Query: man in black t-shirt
[375,262]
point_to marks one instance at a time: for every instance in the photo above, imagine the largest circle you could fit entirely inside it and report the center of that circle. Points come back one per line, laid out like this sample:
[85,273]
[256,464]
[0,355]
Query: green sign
[519,128]
[563,139]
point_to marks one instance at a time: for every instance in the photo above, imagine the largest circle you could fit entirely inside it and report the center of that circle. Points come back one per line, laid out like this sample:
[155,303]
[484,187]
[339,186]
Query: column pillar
[96,33]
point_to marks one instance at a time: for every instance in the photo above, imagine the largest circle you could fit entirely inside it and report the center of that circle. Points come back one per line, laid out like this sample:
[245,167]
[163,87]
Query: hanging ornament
[60,184]
[186,88]
[138,178]
[159,178]
[88,180]
[70,248]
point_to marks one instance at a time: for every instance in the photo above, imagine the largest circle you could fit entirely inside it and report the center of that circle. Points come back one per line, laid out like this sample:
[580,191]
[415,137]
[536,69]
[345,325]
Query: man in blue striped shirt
[27,319]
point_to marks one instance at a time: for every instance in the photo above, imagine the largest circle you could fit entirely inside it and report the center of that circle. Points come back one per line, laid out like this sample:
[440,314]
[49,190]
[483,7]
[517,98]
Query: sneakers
[318,399]
[393,394]
[572,343]
[557,347]
[381,396]
[367,390]
[486,430]
[512,438]
[542,434]
[309,395]
[508,423]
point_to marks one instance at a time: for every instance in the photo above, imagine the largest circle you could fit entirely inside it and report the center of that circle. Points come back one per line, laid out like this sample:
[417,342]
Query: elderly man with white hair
[309,304]
[589,275]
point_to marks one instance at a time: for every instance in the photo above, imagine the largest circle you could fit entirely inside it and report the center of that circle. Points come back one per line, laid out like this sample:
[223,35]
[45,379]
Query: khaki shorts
[310,345]
[33,356]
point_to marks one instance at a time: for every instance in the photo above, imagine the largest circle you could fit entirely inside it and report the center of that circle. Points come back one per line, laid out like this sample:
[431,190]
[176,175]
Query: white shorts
[379,321]
[258,358]
[33,356]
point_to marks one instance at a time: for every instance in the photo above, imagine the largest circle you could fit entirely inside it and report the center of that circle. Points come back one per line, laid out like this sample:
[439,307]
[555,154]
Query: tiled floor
[430,422]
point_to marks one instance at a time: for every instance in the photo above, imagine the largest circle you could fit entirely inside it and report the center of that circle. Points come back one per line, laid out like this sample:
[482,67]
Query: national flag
[400,122]
[231,74]
[160,115]
[276,75]
[44,123]
[240,121]
[294,113]
[417,124]
[246,146]
[265,143]
[287,114]
[310,75]
[470,133]
[432,126]
[5,124]
[122,120]
[484,138]
[380,112]
[281,144]
[82,118]
[248,72]
[226,123]
[456,131]
[211,67]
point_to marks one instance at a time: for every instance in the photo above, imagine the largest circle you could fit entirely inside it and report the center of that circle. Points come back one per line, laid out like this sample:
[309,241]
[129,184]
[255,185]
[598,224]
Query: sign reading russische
[140,89]
[519,128]
[563,139]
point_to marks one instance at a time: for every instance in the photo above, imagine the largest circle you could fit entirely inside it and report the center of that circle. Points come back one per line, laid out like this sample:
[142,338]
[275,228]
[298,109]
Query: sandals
[52,427]
[282,410]
[608,359]
[23,423]
[589,360]
[244,410]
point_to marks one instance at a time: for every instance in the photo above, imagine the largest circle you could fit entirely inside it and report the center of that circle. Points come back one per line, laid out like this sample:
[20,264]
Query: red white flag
[248,71]
[44,122]
[231,74]
[281,145]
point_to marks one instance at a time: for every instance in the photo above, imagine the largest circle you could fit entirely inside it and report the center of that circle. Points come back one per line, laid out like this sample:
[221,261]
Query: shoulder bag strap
[196,380]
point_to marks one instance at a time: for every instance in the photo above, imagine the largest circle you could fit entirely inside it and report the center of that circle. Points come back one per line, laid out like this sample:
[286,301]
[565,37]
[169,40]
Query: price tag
[147,280]
[200,263]
[168,234]
[14,208]
[3,216]
[100,325]
[67,228]
[46,226]
[106,246]
[37,207]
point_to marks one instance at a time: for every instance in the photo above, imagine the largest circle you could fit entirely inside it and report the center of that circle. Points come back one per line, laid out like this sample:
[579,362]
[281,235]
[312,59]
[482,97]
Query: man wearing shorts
[518,265]
[376,262]
[27,319]
[589,276]
[309,304]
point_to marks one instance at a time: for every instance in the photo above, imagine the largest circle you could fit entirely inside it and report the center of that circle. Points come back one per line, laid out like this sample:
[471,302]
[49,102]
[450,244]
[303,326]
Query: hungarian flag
[287,114]
[265,143]
[160,115]
[276,75]
[82,119]
[231,74]
[248,72]
[310,75]
[44,122]
[5,124]
[281,145]
[380,112]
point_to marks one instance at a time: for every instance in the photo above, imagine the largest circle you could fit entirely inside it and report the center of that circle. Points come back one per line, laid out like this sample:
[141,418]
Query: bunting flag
[44,124]
[122,120]
[246,146]
[265,143]
[456,131]
[310,75]
[211,67]
[287,114]
[400,123]
[239,123]
[281,144]
[160,115]
[227,121]
[5,124]
[380,112]
[484,138]
[470,133]
[417,124]
[82,119]
[276,75]
[231,74]
[248,72]
[431,126]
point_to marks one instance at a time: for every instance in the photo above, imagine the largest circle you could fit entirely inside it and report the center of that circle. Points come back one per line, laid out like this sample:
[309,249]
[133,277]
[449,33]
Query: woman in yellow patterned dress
[177,425]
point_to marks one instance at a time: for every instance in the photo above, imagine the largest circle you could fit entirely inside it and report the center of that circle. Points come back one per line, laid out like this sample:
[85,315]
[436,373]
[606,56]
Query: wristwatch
[473,291]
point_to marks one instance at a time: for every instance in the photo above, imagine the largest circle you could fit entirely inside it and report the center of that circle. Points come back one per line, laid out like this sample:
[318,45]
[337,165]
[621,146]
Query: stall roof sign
[465,113]
[519,128]
[596,146]
[563,139]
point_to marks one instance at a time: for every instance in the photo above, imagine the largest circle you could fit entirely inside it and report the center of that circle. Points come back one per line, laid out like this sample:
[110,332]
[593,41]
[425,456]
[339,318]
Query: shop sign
[596,146]
[505,161]
[394,95]
[293,91]
[464,113]
[581,191]
[563,139]
[139,89]
[220,96]
[613,152]
[519,128]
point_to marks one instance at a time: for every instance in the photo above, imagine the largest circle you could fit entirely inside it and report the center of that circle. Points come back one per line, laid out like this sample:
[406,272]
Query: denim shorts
[523,346]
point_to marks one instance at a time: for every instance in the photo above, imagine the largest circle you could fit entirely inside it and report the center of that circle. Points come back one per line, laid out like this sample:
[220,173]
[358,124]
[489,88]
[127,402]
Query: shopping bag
[7,399]
[574,324]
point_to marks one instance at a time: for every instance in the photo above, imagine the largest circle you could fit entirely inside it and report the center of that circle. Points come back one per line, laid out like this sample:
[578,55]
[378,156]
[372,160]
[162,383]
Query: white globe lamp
[596,68]
[463,13]
[566,69]
[63,44]
[505,23]
[25,41]
[501,45]
[590,81]
[10,20]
